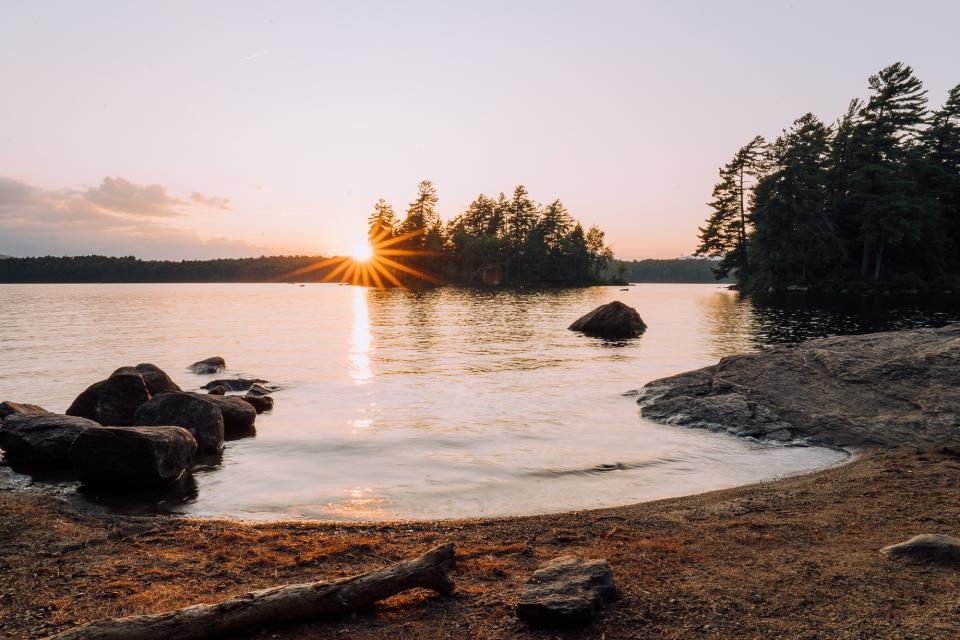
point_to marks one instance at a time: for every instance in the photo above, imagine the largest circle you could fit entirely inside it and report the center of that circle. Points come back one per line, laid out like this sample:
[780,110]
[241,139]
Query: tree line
[870,201]
[505,240]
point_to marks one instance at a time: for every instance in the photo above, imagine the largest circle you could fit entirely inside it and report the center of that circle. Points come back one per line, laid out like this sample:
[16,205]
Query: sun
[362,252]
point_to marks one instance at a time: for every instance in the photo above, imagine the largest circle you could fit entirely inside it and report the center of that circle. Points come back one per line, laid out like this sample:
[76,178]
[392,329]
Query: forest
[870,202]
[511,241]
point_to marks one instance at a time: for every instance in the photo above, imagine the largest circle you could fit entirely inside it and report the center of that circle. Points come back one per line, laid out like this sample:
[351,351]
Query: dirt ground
[795,558]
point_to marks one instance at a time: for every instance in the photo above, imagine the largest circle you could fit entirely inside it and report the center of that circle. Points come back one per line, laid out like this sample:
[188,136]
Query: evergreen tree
[942,146]
[726,232]
[884,185]
[795,233]
[381,223]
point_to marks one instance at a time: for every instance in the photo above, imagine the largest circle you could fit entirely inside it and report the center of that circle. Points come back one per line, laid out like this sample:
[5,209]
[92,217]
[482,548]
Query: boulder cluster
[136,429]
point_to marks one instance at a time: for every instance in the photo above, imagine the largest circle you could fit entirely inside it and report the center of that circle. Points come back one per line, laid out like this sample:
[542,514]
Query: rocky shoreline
[798,557]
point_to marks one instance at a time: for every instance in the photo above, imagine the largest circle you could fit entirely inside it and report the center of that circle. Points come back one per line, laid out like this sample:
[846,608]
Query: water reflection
[360,339]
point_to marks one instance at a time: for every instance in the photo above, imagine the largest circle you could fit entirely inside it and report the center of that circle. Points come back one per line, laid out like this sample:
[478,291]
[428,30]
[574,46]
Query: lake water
[430,404]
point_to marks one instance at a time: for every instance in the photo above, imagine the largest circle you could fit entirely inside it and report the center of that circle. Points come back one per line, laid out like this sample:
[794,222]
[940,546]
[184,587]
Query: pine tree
[942,145]
[421,215]
[726,232]
[883,185]
[381,223]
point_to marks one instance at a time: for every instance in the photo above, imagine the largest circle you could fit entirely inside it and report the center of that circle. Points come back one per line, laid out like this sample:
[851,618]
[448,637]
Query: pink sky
[184,129]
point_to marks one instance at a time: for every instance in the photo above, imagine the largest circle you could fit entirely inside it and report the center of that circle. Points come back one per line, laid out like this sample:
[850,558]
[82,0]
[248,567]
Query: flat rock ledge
[566,591]
[874,390]
[930,548]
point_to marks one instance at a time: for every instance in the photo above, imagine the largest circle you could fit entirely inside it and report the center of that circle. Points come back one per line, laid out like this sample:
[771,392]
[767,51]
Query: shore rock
[879,389]
[112,401]
[218,391]
[41,439]
[234,384]
[613,320]
[259,403]
[927,547]
[215,364]
[566,591]
[18,408]
[202,419]
[123,458]
[156,379]
[238,415]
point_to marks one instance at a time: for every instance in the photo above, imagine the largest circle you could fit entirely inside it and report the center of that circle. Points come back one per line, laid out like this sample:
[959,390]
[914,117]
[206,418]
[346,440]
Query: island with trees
[871,202]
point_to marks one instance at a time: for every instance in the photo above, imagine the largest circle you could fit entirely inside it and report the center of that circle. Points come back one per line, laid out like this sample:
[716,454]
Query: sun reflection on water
[360,339]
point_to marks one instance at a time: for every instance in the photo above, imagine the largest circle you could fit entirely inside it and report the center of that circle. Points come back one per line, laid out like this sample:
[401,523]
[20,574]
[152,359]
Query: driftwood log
[278,604]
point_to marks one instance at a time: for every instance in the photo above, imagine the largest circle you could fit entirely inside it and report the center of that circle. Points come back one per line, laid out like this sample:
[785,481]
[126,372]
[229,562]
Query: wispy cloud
[254,56]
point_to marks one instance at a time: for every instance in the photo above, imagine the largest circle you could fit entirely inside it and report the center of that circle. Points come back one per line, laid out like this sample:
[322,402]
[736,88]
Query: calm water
[445,403]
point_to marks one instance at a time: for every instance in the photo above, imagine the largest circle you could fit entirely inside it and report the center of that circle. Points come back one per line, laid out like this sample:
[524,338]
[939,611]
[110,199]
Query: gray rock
[258,389]
[879,389]
[217,391]
[566,591]
[259,403]
[119,459]
[41,439]
[202,419]
[112,401]
[18,408]
[613,320]
[927,547]
[156,379]
[238,415]
[215,364]
[234,384]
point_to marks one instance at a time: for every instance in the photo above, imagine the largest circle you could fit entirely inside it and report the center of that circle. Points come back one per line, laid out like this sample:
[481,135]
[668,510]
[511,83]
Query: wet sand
[793,558]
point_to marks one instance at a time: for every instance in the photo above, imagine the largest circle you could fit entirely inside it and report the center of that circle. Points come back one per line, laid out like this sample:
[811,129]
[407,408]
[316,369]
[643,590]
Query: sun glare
[362,252]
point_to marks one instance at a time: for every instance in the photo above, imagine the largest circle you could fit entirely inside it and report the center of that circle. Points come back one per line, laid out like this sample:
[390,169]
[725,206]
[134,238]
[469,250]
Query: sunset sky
[209,129]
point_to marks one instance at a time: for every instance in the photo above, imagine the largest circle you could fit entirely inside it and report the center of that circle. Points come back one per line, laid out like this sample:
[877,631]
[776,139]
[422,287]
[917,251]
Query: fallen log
[278,604]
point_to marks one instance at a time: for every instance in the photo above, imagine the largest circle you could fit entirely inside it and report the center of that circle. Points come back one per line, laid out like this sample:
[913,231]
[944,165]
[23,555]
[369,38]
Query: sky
[220,129]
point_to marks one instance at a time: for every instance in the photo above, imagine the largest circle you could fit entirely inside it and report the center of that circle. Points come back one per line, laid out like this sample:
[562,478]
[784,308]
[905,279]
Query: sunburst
[373,264]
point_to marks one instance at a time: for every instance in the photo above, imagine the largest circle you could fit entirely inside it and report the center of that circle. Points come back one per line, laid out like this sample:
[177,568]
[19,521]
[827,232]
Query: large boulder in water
[113,401]
[156,378]
[238,416]
[41,439]
[900,388]
[215,364]
[202,419]
[613,320]
[8,408]
[122,458]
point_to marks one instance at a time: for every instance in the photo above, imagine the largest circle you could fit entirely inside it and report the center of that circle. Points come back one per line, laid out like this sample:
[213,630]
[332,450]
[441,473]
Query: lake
[431,404]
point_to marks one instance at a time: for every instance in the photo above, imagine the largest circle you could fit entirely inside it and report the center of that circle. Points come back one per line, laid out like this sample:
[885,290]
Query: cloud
[207,201]
[123,196]
[116,218]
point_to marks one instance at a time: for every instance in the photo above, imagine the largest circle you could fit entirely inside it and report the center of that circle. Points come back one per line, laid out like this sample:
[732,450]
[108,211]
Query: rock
[202,419]
[258,390]
[926,547]
[112,401]
[238,415]
[41,439]
[17,408]
[123,458]
[879,389]
[234,384]
[156,378]
[566,591]
[613,320]
[215,364]
[218,391]
[259,403]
